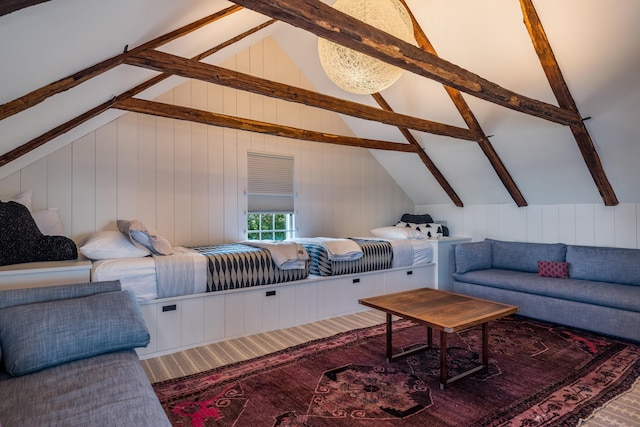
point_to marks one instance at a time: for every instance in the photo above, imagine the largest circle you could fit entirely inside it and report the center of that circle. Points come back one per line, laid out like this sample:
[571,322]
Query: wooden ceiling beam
[423,156]
[37,96]
[215,119]
[326,22]
[566,101]
[9,6]
[188,68]
[471,121]
[76,121]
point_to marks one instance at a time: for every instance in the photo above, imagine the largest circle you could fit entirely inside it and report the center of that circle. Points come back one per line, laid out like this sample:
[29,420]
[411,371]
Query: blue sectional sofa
[68,359]
[593,288]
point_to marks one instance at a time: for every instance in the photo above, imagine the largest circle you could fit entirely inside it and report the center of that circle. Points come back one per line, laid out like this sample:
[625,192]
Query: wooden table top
[441,310]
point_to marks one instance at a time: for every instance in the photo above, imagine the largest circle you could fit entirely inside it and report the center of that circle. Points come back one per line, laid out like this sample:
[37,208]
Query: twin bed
[256,263]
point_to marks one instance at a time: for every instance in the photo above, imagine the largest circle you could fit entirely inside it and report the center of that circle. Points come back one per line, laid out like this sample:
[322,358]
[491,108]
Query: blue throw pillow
[472,256]
[38,336]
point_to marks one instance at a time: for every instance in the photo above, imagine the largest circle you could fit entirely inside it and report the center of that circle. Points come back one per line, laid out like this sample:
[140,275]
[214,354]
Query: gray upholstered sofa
[600,291]
[68,358]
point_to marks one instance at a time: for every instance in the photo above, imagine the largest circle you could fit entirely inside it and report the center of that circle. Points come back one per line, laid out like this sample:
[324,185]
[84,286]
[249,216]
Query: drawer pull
[356,280]
[166,308]
[271,293]
[410,272]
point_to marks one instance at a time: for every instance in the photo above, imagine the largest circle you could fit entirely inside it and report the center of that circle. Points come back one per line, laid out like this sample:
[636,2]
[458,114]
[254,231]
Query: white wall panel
[550,226]
[534,223]
[83,209]
[34,177]
[566,224]
[127,144]
[59,181]
[107,175]
[585,225]
[604,226]
[625,223]
[147,187]
[581,224]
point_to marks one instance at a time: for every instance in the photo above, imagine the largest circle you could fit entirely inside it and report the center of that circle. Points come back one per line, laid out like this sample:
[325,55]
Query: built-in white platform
[47,273]
[189,321]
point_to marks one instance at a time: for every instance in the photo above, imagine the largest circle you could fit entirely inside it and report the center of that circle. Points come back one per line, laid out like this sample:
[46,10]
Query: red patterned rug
[540,375]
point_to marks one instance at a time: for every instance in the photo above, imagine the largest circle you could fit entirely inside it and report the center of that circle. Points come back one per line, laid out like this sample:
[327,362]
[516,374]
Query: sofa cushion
[38,336]
[472,256]
[13,297]
[559,270]
[616,265]
[102,391]
[524,256]
[622,297]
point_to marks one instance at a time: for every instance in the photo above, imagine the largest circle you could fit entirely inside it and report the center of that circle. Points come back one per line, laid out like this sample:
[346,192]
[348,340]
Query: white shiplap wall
[580,224]
[188,180]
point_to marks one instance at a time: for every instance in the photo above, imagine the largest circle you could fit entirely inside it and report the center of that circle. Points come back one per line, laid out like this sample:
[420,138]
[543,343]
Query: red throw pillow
[559,270]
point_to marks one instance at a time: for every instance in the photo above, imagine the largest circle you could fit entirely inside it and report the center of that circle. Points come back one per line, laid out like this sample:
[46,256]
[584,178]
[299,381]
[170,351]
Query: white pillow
[430,230]
[48,221]
[23,198]
[111,245]
[393,232]
[145,237]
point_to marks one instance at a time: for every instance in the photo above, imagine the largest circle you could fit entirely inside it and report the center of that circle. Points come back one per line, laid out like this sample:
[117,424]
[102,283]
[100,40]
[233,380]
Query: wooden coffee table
[443,311]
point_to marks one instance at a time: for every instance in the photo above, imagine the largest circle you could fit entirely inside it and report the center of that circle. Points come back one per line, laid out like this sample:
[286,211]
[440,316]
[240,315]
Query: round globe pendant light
[356,72]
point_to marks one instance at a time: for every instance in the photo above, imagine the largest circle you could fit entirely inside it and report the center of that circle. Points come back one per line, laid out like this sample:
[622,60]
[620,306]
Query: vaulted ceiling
[503,101]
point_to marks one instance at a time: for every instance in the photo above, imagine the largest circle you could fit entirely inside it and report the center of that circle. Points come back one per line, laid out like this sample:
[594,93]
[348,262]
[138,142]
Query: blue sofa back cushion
[615,265]
[41,335]
[472,256]
[524,256]
[13,297]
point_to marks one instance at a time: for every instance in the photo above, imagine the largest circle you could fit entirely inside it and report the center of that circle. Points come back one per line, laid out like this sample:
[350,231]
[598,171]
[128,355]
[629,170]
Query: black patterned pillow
[21,240]
[416,219]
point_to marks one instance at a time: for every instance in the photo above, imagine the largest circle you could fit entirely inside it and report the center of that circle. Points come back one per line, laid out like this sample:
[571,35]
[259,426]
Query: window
[270,197]
[270,226]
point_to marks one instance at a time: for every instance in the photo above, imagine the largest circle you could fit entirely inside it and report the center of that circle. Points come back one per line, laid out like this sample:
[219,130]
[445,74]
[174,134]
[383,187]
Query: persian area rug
[540,375]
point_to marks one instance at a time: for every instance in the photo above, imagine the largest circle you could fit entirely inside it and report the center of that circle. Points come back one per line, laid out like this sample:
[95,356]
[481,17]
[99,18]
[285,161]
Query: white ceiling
[596,43]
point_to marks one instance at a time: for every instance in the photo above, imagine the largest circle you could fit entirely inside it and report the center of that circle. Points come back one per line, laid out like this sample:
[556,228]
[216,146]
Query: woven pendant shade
[356,72]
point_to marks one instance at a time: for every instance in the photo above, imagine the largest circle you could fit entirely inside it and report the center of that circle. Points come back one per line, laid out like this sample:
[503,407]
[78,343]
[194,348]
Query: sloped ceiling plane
[508,101]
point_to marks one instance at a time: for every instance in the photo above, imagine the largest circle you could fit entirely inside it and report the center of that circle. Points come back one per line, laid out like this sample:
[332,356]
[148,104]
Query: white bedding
[408,252]
[338,249]
[422,251]
[139,274]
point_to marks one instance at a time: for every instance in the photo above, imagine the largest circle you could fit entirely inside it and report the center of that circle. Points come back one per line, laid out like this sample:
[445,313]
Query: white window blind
[270,187]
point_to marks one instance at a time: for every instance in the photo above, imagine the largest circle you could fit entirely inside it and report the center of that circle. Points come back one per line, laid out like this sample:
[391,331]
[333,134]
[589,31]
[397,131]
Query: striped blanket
[234,266]
[376,255]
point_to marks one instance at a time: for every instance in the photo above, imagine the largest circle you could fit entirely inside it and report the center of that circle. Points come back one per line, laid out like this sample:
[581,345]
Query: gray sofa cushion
[524,256]
[623,297]
[102,391]
[472,256]
[40,335]
[616,265]
[13,297]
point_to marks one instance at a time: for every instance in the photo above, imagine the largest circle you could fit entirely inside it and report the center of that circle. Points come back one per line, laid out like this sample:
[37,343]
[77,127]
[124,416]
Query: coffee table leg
[485,345]
[389,338]
[443,359]
[429,336]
